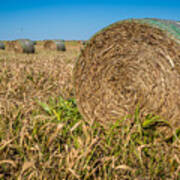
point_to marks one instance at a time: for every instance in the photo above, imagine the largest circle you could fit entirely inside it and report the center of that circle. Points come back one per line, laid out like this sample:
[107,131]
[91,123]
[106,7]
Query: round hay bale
[21,46]
[58,45]
[132,63]
[2,45]
[24,46]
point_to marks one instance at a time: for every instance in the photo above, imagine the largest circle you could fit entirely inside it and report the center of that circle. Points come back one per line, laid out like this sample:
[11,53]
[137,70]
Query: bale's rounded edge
[170,35]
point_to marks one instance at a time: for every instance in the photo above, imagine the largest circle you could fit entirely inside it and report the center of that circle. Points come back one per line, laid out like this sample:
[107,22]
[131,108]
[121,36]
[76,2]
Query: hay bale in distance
[83,42]
[21,46]
[58,45]
[130,64]
[25,46]
[34,42]
[2,45]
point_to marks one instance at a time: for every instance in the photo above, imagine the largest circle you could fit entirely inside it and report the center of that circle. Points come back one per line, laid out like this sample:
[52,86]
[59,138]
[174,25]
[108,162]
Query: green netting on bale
[173,27]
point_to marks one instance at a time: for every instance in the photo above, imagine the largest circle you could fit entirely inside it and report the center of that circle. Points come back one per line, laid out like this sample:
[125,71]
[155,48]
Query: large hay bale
[21,45]
[130,64]
[2,45]
[58,45]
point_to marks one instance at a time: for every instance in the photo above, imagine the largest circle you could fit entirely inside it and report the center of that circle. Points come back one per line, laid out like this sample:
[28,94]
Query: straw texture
[130,64]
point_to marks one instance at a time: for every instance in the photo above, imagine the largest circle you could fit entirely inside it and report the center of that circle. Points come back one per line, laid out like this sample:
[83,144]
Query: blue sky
[75,19]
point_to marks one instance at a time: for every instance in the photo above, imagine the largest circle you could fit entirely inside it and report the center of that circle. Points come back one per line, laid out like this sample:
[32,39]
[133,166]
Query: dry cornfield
[43,135]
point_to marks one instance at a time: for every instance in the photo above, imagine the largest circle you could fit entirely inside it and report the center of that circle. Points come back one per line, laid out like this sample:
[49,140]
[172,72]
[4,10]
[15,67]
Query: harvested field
[43,135]
[27,77]
[128,65]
